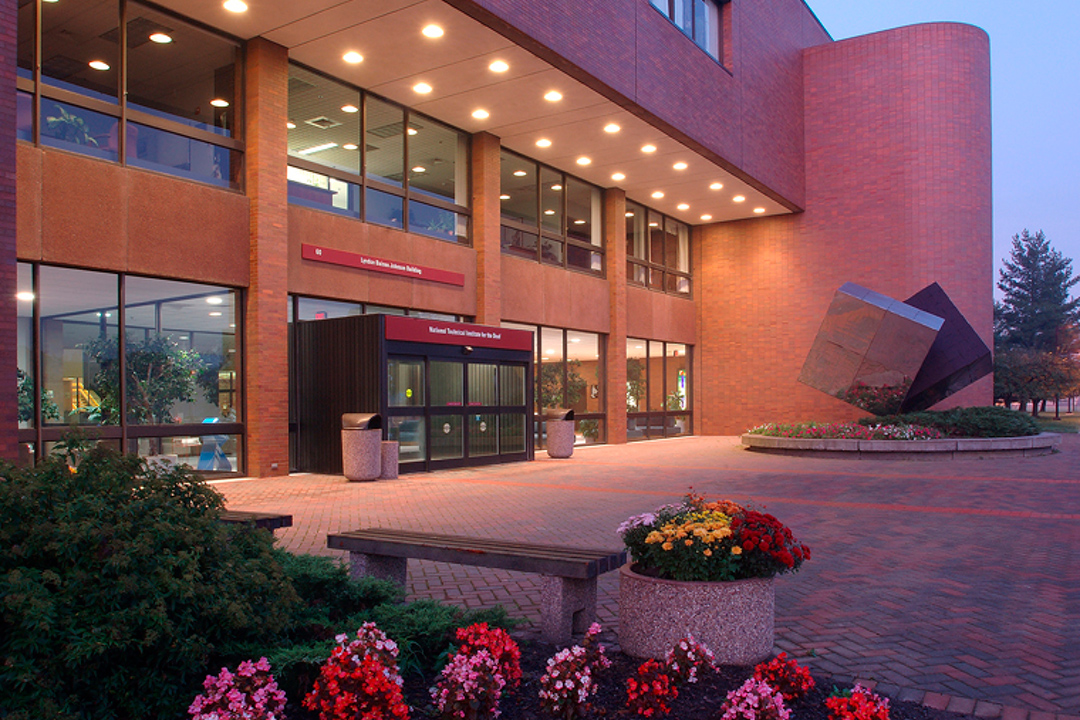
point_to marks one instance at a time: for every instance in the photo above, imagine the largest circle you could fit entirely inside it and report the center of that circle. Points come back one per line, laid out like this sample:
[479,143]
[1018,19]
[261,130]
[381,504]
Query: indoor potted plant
[704,569]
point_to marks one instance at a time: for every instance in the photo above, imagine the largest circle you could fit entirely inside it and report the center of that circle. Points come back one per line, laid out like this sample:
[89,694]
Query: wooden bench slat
[552,553]
[456,540]
[267,521]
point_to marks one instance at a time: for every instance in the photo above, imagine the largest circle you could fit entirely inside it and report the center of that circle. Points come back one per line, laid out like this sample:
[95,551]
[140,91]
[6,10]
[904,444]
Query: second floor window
[698,19]
[657,251]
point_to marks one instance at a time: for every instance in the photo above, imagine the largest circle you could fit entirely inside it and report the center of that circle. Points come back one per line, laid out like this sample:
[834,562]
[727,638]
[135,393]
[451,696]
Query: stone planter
[733,619]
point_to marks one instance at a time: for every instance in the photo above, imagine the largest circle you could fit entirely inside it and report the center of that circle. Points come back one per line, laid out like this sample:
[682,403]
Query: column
[484,184]
[9,405]
[266,360]
[615,359]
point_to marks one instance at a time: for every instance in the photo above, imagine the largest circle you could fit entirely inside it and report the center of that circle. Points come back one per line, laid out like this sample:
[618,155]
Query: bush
[972,422]
[119,587]
[328,593]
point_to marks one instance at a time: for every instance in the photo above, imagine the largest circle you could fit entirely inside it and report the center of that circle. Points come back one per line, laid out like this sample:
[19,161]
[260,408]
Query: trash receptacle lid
[558,414]
[361,421]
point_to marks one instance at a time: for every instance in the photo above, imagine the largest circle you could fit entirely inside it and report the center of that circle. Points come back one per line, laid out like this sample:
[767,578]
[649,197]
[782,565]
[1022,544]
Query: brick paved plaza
[953,583]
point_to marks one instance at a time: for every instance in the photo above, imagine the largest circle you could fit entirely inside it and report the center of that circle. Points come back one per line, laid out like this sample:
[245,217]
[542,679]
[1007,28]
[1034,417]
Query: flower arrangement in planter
[251,693]
[569,683]
[360,680]
[706,569]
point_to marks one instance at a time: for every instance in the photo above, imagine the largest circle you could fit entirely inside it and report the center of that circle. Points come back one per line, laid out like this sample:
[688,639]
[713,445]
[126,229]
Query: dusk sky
[1035,86]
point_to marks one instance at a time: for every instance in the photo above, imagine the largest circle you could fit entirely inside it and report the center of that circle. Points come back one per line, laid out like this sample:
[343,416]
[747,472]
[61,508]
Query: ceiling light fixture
[553,96]
[657,195]
[549,212]
[556,188]
[290,125]
[99,65]
[579,222]
[215,313]
[432,31]
[618,176]
[349,108]
[498,66]
[412,131]
[160,38]
[316,148]
[350,146]
[612,128]
[759,210]
[520,173]
[419,169]
[716,186]
[235,6]
[481,114]
[214,300]
[739,198]
[648,148]
[706,218]
[543,142]
[629,214]
[504,197]
[352,57]
[682,206]
[220,103]
[653,224]
[584,160]
[680,166]
[24,296]
[422,88]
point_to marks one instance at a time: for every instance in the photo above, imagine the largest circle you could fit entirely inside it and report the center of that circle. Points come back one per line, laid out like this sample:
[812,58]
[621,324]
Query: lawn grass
[1069,423]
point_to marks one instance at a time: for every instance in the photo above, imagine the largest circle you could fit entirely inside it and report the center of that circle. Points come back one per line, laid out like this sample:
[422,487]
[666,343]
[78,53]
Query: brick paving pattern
[954,583]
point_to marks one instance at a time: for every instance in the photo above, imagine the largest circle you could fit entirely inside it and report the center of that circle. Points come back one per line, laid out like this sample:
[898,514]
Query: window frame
[666,272]
[650,413]
[718,34]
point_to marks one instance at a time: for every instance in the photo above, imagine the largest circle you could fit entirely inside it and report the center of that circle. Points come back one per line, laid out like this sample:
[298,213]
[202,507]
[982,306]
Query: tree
[1036,311]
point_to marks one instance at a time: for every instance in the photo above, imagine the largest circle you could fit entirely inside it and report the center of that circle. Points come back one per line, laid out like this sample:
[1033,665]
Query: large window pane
[582,259]
[636,376]
[382,208]
[512,385]
[552,191]
[411,436]
[76,34]
[321,192]
[519,193]
[512,433]
[385,141]
[79,331]
[656,376]
[483,435]
[24,116]
[677,374]
[447,437]
[324,121]
[438,161]
[519,242]
[167,152]
[406,388]
[584,374]
[180,72]
[207,453]
[80,130]
[583,211]
[551,250]
[180,352]
[25,352]
[435,222]
[552,393]
[483,384]
[447,384]
[677,246]
[318,309]
[27,36]
[636,237]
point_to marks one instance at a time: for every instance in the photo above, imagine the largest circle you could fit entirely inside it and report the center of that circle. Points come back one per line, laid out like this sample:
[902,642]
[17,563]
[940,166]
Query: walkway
[951,583]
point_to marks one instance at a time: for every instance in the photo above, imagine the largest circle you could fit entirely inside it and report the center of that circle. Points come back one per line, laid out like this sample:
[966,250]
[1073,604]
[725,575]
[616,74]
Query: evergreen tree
[1037,312]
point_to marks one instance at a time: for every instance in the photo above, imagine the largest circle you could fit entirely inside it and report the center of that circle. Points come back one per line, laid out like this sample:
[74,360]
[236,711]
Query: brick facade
[9,405]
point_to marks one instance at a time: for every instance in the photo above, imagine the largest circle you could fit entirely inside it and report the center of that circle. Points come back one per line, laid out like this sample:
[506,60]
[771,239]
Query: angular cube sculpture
[869,349]
[957,358]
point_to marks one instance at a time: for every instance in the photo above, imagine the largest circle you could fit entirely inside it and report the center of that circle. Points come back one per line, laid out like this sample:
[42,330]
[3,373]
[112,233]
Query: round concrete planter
[733,619]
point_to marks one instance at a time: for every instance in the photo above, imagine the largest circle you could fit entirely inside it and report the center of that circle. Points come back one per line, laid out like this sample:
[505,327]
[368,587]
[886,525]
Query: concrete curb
[1041,444]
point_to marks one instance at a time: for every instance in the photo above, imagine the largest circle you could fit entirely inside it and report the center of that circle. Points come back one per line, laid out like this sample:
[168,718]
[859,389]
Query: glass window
[512,432]
[411,435]
[676,376]
[552,192]
[583,209]
[80,130]
[512,385]
[80,47]
[656,376]
[24,116]
[324,121]
[518,184]
[185,157]
[436,222]
[677,245]
[385,141]
[25,352]
[551,369]
[483,384]
[447,384]
[382,208]
[636,246]
[207,453]
[318,309]
[698,19]
[483,435]
[447,437]
[79,331]
[27,33]
[636,375]
[438,161]
[406,382]
[321,192]
[551,250]
[180,72]
[180,353]
[584,374]
[519,242]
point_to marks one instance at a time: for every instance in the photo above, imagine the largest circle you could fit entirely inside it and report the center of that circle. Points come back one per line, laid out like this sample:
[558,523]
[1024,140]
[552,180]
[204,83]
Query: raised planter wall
[1041,444]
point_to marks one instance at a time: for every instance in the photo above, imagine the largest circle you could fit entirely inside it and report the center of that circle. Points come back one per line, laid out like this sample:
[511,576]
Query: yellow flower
[654,537]
[736,550]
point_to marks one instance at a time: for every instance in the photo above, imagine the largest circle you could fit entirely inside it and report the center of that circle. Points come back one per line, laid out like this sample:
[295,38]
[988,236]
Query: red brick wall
[9,412]
[748,117]
[897,196]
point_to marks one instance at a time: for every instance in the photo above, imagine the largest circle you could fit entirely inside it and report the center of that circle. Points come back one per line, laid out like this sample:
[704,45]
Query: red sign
[390,267]
[411,329]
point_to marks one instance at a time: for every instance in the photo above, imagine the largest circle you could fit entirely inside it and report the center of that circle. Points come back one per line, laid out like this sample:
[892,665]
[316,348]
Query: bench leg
[567,605]
[383,567]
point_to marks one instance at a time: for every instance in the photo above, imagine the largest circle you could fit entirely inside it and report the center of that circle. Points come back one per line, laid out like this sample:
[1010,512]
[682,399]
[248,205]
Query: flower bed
[847,431]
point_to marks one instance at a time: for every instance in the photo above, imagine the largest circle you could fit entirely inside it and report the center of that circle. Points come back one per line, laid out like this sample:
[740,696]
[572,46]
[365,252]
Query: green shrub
[119,587]
[973,422]
[327,591]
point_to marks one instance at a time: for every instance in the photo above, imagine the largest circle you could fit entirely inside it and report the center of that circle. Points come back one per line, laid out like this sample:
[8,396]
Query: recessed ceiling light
[657,195]
[352,57]
[553,96]
[481,114]
[578,222]
[584,161]
[215,313]
[556,188]
[413,131]
[350,146]
[316,148]
[520,173]
[543,142]
[214,300]
[504,197]
[648,148]
[549,212]
[682,206]
[422,88]
[653,224]
[716,186]
[680,166]
[236,6]
[706,217]
[612,128]
[24,296]
[618,176]
[349,108]
[629,214]
[99,65]
[161,38]
[432,31]
[498,66]
[739,198]
[220,103]
[759,210]
[419,169]
[291,125]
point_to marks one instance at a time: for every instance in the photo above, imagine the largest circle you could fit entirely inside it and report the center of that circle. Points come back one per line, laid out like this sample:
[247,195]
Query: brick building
[665,192]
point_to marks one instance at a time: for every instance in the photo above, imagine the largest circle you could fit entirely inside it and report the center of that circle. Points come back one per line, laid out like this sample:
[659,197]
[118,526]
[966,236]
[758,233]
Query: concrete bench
[568,589]
[266,521]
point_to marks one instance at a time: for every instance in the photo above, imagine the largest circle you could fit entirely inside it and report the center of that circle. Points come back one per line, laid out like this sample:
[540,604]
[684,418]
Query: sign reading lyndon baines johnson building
[390,267]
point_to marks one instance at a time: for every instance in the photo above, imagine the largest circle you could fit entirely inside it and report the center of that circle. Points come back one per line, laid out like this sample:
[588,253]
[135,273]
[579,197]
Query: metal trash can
[560,432]
[361,446]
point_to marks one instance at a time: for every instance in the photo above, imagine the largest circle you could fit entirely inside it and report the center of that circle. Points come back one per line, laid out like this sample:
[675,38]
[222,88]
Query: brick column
[615,359]
[484,186]
[9,406]
[266,362]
